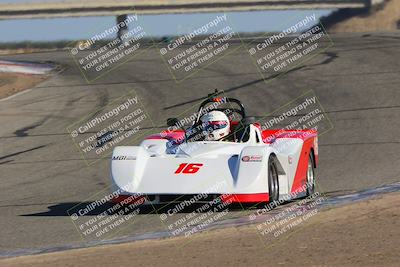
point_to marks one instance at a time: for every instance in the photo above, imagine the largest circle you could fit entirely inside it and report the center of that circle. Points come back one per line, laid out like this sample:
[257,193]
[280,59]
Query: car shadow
[69,208]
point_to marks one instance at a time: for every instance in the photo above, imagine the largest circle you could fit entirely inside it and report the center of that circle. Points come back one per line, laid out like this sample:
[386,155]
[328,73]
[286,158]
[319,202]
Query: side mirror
[172,122]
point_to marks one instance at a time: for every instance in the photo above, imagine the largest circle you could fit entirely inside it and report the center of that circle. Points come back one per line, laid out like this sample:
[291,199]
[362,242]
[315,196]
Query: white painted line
[17,94]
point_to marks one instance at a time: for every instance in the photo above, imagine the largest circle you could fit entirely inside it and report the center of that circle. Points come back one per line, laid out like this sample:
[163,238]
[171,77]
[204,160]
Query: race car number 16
[188,168]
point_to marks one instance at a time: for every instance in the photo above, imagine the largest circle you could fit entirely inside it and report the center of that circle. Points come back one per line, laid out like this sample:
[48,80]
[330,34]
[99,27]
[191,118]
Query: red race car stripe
[300,178]
[245,198]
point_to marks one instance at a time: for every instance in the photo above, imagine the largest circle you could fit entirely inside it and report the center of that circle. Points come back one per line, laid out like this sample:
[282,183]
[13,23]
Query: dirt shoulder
[360,234]
[12,83]
[385,19]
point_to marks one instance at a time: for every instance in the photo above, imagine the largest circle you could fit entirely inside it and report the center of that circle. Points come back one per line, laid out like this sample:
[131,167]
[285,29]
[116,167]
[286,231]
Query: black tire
[310,176]
[273,181]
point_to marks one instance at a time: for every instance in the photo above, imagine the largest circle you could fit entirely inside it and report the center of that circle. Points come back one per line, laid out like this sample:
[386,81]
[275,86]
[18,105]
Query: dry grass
[12,83]
[382,20]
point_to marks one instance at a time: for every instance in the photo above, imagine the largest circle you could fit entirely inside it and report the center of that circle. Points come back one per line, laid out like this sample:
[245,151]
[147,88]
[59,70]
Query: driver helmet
[215,125]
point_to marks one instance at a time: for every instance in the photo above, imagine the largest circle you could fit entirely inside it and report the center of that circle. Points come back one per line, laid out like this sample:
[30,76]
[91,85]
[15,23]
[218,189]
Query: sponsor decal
[252,158]
[123,158]
[245,158]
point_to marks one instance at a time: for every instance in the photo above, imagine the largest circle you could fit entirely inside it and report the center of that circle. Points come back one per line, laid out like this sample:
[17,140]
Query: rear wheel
[273,182]
[310,175]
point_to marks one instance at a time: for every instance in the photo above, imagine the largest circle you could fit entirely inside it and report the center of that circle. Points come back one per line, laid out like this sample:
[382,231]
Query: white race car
[222,154]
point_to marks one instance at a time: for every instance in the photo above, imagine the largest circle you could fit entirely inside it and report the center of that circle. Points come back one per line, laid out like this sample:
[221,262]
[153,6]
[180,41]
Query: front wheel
[273,182]
[310,176]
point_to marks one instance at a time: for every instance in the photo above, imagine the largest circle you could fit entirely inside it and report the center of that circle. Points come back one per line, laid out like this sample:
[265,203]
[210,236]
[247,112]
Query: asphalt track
[43,175]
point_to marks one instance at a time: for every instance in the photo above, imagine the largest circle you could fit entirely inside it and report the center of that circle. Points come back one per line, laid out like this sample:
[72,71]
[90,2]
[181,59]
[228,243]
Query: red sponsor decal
[245,158]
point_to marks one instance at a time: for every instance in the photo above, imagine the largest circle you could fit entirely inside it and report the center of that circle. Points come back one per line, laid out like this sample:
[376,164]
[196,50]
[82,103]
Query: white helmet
[215,125]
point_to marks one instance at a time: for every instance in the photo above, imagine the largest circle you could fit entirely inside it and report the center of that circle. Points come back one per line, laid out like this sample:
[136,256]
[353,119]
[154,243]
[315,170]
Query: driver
[215,125]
